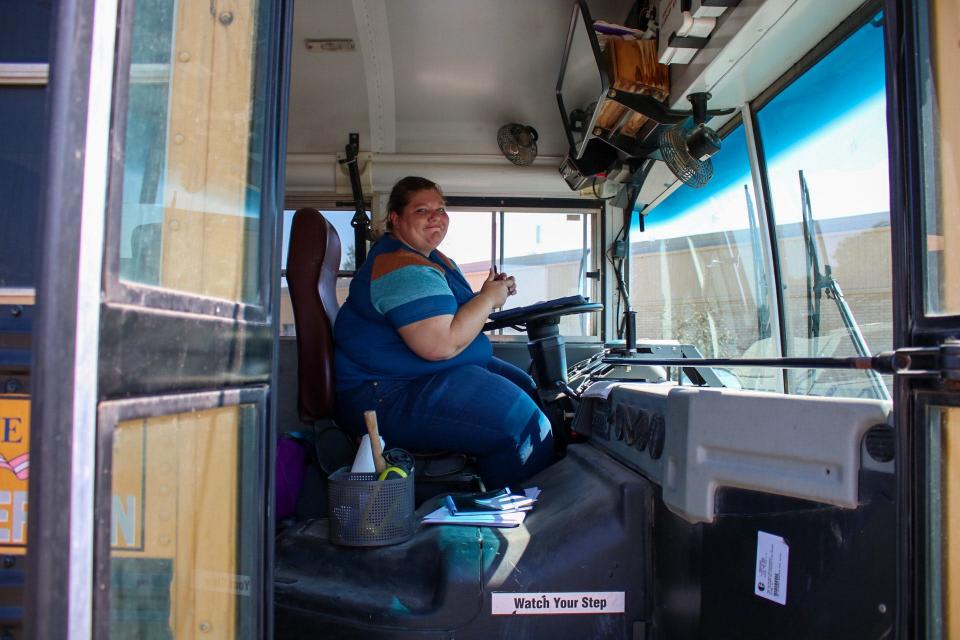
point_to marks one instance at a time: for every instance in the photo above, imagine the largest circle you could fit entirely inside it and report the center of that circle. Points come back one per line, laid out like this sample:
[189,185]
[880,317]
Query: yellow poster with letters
[14,472]
[127,502]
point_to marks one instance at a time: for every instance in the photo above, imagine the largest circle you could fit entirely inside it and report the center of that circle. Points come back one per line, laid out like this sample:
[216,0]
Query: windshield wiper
[819,282]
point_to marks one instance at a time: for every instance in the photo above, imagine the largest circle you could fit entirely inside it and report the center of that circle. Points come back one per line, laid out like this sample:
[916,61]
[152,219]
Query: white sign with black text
[773,556]
[506,604]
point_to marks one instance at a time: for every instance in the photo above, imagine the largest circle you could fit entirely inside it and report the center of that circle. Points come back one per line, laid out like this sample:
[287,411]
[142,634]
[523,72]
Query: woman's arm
[443,337]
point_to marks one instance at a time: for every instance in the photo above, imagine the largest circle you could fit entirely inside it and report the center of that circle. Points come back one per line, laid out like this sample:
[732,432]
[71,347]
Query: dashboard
[693,440]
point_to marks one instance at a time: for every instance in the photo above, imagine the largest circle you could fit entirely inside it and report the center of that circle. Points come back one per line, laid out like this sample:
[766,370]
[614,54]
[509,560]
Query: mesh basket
[365,512]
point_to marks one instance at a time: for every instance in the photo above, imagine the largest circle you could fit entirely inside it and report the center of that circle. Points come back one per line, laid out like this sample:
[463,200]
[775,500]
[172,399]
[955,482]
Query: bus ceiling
[428,85]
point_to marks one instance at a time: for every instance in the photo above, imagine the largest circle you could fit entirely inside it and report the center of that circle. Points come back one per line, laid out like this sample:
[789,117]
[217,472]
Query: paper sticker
[773,555]
[506,604]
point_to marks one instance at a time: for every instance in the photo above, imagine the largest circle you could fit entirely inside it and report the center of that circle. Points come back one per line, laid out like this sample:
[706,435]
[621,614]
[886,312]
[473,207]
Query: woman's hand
[503,276]
[497,287]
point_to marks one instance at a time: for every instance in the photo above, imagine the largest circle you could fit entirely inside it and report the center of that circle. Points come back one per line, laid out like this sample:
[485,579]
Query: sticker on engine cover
[773,555]
[539,603]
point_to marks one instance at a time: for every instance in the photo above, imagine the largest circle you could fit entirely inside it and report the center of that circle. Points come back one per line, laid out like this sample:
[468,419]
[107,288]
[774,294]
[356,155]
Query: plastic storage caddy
[366,512]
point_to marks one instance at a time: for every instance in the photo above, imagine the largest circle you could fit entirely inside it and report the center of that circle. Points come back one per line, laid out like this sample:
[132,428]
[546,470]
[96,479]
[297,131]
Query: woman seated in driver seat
[409,345]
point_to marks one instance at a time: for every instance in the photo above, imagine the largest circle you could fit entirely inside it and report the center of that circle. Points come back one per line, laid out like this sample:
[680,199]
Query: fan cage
[692,171]
[508,140]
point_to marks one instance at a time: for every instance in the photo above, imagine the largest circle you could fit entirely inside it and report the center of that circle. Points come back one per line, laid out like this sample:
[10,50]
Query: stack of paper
[494,509]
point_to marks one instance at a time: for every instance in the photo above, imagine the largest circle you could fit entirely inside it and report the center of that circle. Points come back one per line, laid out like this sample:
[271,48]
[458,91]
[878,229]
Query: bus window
[184,523]
[22,126]
[943,504]
[549,252]
[698,276]
[24,44]
[191,179]
[943,138]
[825,143]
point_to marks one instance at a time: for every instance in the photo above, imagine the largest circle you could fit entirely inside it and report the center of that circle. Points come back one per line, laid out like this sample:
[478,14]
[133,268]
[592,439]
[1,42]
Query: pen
[452,508]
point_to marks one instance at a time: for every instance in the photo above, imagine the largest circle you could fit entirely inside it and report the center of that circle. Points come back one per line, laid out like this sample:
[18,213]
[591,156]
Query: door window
[943,526]
[185,544]
[942,133]
[194,138]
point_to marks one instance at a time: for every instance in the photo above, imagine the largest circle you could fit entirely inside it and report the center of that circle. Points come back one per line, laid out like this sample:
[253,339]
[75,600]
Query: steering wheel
[541,321]
[548,354]
[540,314]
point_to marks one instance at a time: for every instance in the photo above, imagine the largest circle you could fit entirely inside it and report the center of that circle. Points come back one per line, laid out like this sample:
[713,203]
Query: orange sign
[14,472]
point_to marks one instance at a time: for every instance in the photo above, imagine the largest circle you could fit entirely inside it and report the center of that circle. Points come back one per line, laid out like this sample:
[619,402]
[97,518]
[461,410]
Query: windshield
[700,273]
[825,140]
[698,269]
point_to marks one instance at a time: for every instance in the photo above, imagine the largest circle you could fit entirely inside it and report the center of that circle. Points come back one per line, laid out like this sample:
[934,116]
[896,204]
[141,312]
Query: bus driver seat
[313,260]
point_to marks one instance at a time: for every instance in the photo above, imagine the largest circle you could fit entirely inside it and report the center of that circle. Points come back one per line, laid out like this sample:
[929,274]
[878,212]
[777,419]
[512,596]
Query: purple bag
[291,466]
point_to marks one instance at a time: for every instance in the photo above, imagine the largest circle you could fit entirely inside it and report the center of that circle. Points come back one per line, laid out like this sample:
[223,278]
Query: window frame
[112,413]
[497,207]
[924,200]
[122,292]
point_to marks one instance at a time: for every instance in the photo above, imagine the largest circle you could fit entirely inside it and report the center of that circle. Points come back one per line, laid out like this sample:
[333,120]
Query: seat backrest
[313,261]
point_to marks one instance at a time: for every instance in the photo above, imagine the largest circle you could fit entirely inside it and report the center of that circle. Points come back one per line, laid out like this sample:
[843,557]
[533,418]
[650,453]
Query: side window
[471,241]
[348,260]
[549,252]
[825,143]
[24,43]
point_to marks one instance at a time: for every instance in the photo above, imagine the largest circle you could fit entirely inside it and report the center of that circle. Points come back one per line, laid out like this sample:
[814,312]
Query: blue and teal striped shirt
[397,286]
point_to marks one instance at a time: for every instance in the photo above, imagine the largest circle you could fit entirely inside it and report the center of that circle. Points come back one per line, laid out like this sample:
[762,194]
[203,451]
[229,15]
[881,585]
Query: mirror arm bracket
[653,109]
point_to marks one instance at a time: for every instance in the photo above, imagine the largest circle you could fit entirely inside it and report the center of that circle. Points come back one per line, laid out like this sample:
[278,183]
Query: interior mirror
[583,81]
